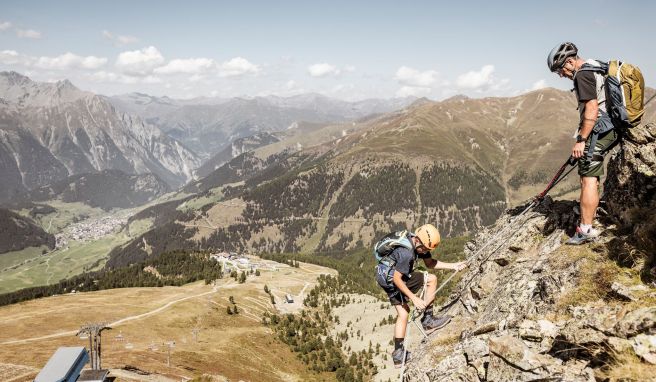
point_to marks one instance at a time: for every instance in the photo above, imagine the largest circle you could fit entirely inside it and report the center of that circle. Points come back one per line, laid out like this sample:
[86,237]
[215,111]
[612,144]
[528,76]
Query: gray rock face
[631,181]
[631,198]
[50,131]
[505,304]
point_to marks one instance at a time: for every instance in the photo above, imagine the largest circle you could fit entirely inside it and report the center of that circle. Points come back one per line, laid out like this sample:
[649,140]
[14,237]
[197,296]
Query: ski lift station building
[64,366]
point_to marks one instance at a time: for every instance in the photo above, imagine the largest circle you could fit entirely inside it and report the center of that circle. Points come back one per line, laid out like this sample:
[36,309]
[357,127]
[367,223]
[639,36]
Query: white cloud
[111,77]
[341,88]
[151,80]
[70,60]
[480,80]
[119,40]
[5,25]
[188,66]
[11,57]
[291,84]
[417,91]
[125,40]
[196,78]
[237,66]
[539,85]
[28,33]
[139,62]
[415,78]
[323,70]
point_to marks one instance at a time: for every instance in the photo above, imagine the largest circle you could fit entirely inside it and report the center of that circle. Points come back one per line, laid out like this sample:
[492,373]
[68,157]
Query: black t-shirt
[585,85]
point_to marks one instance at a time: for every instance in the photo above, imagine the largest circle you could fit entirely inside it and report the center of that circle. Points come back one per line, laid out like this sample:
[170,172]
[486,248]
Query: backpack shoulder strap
[614,68]
[602,68]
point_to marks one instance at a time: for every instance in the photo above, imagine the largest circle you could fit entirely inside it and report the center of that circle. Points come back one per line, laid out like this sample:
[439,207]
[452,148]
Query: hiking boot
[431,323]
[581,237]
[397,357]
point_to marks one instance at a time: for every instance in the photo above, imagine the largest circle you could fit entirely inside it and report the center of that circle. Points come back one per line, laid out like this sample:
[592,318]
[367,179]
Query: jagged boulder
[637,322]
[630,196]
[631,180]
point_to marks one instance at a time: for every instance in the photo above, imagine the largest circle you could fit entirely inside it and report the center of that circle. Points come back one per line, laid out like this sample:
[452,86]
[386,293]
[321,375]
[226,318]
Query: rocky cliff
[530,308]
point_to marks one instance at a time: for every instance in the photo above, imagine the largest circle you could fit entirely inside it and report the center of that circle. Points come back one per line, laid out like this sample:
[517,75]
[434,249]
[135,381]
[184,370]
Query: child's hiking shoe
[431,323]
[397,357]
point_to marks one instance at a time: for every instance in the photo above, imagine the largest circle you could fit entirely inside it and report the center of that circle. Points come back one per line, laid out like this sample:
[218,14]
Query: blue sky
[344,49]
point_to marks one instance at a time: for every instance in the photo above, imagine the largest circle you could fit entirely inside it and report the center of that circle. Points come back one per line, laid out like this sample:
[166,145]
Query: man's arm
[589,119]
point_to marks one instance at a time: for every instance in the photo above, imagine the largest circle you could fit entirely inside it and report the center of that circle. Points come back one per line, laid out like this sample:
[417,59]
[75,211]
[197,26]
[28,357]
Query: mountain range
[208,125]
[298,185]
[49,131]
[457,163]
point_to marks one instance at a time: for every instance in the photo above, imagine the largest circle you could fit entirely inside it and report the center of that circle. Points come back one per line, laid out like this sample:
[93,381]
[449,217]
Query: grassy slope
[237,347]
[66,214]
[29,268]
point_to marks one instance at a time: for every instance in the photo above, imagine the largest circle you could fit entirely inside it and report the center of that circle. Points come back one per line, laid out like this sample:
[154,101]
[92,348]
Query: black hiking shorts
[415,282]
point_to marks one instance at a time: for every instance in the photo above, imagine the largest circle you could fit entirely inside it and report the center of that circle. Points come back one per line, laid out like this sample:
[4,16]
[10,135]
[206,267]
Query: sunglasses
[561,68]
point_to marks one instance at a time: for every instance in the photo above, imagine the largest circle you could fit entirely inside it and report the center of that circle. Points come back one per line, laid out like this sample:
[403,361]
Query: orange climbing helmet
[429,236]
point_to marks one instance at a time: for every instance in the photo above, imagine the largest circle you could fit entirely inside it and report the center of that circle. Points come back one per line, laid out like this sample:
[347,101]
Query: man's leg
[589,199]
[590,169]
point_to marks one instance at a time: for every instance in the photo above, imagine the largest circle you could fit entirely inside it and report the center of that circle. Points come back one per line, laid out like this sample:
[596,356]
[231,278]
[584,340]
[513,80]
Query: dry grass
[626,366]
[233,346]
[596,273]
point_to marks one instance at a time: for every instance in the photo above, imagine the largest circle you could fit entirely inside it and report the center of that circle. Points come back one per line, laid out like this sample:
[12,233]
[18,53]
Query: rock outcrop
[533,309]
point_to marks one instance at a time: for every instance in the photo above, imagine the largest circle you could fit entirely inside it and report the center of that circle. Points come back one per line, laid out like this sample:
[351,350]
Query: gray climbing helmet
[559,54]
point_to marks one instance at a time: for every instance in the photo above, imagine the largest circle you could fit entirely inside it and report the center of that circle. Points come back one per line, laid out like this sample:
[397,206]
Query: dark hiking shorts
[415,282]
[590,168]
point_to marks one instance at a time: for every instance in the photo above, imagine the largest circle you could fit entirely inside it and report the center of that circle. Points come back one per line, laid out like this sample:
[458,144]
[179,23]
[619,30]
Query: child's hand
[419,303]
[459,266]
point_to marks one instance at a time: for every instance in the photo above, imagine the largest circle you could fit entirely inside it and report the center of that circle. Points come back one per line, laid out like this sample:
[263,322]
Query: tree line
[172,268]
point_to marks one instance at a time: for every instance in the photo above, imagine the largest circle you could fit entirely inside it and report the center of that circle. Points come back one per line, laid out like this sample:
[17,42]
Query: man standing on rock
[396,254]
[590,93]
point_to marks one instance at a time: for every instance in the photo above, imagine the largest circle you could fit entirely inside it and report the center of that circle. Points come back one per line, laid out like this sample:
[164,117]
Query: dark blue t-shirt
[405,258]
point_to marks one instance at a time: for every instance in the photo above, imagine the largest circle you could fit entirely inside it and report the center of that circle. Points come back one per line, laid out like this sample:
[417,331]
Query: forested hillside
[18,232]
[106,189]
[457,163]
[170,268]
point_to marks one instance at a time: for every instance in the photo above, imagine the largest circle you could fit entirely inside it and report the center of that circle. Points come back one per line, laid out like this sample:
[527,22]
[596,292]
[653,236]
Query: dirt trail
[118,322]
